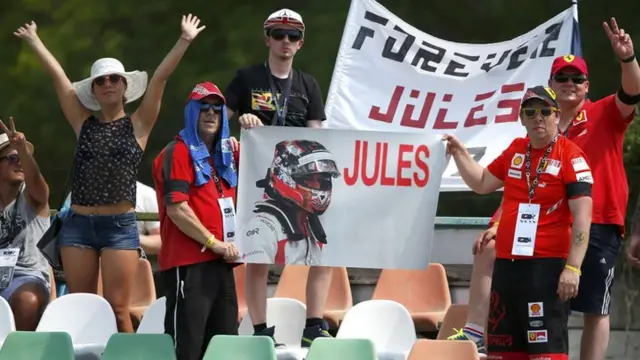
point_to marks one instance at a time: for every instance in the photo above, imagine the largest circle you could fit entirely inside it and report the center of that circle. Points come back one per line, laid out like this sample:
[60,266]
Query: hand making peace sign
[17,139]
[620,40]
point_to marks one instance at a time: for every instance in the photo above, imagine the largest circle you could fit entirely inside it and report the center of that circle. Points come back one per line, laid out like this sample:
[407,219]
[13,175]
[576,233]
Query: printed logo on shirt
[516,174]
[517,161]
[585,177]
[537,336]
[252,232]
[579,164]
[580,118]
[536,309]
[262,100]
[552,167]
[536,323]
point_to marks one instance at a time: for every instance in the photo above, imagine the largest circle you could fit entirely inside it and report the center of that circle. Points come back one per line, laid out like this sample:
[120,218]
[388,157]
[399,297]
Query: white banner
[390,76]
[327,197]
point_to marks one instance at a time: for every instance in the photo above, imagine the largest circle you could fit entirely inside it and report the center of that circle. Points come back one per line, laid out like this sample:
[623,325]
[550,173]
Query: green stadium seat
[124,346]
[234,347]
[342,349]
[28,345]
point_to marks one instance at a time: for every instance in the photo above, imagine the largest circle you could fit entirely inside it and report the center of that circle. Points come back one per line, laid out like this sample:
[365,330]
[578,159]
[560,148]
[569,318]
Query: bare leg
[595,337]
[28,303]
[256,292]
[80,269]
[318,282]
[480,287]
[118,271]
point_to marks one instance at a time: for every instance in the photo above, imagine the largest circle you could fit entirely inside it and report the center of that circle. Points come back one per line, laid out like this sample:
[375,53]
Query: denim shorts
[99,232]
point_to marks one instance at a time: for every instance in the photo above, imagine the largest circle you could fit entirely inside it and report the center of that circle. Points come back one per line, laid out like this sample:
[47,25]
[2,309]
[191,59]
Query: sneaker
[270,331]
[313,332]
[460,335]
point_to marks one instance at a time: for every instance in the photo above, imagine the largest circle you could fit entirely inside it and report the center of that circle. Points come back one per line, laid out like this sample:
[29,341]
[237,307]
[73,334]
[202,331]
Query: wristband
[629,59]
[574,269]
[209,244]
[496,223]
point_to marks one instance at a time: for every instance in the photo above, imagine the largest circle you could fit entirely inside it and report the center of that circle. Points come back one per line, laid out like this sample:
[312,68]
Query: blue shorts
[100,232]
[20,278]
[598,270]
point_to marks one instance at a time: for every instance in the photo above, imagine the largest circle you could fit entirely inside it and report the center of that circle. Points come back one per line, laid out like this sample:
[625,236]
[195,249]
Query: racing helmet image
[301,175]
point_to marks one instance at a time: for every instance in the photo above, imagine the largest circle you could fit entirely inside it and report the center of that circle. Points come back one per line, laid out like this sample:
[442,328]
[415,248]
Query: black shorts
[526,317]
[201,303]
[598,270]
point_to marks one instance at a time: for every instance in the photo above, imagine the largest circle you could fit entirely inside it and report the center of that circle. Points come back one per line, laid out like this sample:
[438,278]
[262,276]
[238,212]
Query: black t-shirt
[249,92]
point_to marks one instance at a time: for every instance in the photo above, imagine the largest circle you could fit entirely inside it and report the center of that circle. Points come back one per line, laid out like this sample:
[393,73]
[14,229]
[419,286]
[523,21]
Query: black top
[106,163]
[249,92]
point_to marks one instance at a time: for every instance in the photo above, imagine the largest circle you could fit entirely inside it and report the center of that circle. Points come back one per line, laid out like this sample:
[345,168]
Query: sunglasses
[204,107]
[13,159]
[576,79]
[545,112]
[292,34]
[113,79]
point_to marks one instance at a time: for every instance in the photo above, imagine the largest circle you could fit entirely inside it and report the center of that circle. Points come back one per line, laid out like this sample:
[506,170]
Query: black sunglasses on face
[576,79]
[113,79]
[13,159]
[292,34]
[204,107]
[545,112]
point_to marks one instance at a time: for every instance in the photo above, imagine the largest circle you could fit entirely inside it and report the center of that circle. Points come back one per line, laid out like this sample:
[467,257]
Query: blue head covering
[223,155]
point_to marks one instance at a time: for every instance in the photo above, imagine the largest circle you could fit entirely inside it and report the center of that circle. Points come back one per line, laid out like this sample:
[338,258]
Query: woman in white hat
[100,229]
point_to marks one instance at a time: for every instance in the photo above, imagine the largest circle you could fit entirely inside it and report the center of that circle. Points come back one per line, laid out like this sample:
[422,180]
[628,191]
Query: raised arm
[73,110]
[622,45]
[147,114]
[36,189]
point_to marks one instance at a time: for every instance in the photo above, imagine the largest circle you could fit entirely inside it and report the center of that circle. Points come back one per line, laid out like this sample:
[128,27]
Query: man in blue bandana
[195,178]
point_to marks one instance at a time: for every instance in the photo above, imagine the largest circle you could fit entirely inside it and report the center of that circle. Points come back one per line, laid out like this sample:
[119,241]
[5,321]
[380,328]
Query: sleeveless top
[106,163]
[22,228]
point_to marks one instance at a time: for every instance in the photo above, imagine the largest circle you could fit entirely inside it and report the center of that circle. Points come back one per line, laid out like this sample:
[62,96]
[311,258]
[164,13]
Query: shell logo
[535,308]
[517,160]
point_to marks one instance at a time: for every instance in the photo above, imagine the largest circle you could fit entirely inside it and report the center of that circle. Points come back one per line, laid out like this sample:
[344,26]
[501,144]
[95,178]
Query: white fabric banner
[327,197]
[390,76]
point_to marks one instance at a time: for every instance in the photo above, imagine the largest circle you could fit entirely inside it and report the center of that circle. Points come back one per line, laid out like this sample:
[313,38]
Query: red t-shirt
[565,166]
[173,175]
[598,130]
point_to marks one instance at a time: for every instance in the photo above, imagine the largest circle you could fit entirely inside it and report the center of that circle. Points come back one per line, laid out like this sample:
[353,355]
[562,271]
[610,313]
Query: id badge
[8,261]
[228,218]
[524,239]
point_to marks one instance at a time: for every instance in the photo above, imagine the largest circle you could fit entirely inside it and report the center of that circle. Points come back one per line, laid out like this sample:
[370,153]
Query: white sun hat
[284,17]
[136,82]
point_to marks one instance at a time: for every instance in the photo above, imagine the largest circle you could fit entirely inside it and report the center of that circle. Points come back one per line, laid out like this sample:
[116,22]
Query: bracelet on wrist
[210,242]
[629,59]
[573,269]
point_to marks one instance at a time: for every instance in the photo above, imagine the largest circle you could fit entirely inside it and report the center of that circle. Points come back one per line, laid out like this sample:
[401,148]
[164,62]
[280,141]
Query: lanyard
[281,110]
[527,163]
[216,180]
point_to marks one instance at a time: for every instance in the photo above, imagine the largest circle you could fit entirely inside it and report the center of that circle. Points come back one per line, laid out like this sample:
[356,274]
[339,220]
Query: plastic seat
[386,323]
[139,347]
[455,318]
[153,319]
[228,347]
[287,315]
[87,318]
[292,284]
[444,350]
[143,292]
[342,349]
[239,273]
[425,293]
[28,345]
[7,321]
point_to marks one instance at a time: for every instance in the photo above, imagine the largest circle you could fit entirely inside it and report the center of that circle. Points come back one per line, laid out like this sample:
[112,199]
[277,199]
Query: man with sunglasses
[543,233]
[276,94]
[598,128]
[24,218]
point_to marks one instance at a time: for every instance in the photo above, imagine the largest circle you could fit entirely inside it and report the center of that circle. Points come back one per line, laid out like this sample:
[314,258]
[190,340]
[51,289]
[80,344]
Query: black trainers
[270,331]
[313,332]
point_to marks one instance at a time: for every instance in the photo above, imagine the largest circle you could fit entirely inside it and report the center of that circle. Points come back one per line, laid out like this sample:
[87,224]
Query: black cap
[543,93]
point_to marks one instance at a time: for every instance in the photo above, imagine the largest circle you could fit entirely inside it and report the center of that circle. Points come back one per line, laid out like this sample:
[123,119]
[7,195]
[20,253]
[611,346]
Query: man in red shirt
[598,128]
[195,181]
[543,233]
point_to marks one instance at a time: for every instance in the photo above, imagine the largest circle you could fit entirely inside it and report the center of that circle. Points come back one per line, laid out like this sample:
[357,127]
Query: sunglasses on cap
[13,159]
[204,107]
[545,112]
[113,79]
[292,34]
[576,79]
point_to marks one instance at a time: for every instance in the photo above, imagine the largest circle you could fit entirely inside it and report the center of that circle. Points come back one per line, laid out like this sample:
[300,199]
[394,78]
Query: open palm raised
[190,27]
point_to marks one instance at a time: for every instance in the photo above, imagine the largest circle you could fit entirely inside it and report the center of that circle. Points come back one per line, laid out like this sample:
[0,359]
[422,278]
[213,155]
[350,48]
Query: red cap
[562,62]
[205,89]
